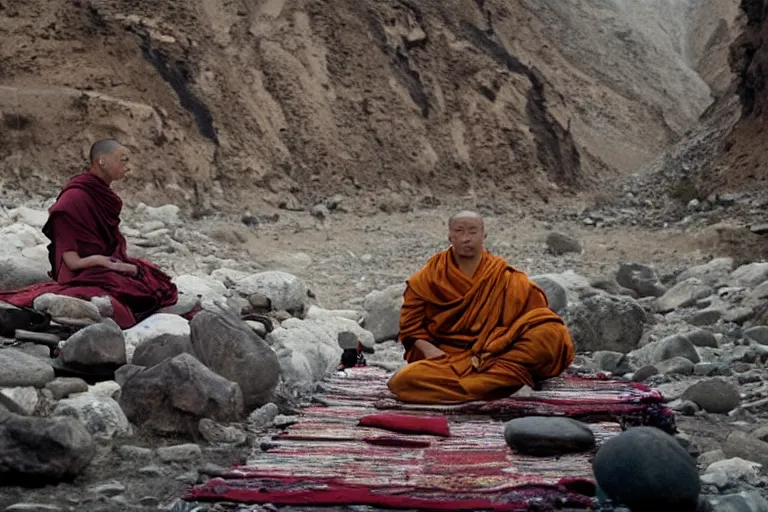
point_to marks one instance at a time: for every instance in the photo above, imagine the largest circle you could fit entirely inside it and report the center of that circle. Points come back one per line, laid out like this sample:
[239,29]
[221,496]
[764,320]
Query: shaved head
[103,147]
[466,214]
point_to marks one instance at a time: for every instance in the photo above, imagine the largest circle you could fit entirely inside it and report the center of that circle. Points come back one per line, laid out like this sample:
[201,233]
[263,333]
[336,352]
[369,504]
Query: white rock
[168,214]
[286,291]
[209,290]
[382,312]
[153,327]
[101,415]
[36,218]
[26,235]
[26,398]
[315,312]
[731,471]
[228,276]
[107,389]
[37,254]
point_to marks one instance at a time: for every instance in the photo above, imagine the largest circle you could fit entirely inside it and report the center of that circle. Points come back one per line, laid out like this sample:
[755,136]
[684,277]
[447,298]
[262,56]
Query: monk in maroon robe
[88,252]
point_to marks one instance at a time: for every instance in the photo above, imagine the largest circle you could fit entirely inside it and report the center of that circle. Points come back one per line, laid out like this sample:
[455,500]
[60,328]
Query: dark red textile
[408,424]
[86,219]
[289,491]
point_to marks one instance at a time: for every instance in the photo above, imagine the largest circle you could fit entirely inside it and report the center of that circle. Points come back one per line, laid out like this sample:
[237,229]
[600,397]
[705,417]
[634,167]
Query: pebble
[134,452]
[180,453]
[151,471]
[109,490]
[149,501]
[190,477]
[546,436]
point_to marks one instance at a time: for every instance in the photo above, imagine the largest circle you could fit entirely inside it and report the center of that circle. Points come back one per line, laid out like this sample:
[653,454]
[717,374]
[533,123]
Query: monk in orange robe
[475,328]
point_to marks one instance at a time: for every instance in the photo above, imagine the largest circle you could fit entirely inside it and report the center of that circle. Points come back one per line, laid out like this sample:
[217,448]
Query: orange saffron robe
[496,329]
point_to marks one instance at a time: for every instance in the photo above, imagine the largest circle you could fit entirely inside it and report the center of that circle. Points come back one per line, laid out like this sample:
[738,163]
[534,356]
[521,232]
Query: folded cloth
[408,424]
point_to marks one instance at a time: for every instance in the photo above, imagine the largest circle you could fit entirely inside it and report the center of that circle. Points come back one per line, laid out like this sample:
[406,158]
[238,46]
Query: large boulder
[36,450]
[285,291]
[101,415]
[605,322]
[308,350]
[165,346]
[557,297]
[683,294]
[20,369]
[646,469]
[232,349]
[172,397]
[677,345]
[207,289]
[750,275]
[101,344]
[152,328]
[713,273]
[18,272]
[61,306]
[714,395]
[640,278]
[382,312]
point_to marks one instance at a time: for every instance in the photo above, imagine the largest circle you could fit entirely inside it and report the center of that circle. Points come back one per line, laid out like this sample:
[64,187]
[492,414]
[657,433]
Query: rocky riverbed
[126,420]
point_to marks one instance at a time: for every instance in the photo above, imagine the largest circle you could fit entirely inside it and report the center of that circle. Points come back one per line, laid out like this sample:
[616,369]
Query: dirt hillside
[237,104]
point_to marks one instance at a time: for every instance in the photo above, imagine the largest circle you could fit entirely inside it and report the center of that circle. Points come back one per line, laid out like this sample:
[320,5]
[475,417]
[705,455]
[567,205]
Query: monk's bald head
[102,148]
[466,215]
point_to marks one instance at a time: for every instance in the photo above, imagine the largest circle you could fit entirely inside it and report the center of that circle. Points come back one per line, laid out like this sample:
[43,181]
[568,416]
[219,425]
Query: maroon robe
[86,219]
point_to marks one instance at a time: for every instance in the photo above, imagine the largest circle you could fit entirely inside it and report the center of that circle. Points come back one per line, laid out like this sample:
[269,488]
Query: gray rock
[675,366]
[604,322]
[62,387]
[180,453]
[706,316]
[711,369]
[750,275]
[707,458]
[178,392]
[759,294]
[165,346]
[126,372]
[109,490]
[131,452]
[712,273]
[559,244]
[714,395]
[739,314]
[36,450]
[702,338]
[644,468]
[18,369]
[614,362]
[59,306]
[382,312]
[640,278]
[683,294]
[101,415]
[230,348]
[149,501]
[216,433]
[32,507]
[285,291]
[18,272]
[676,345]
[548,436]
[644,373]
[742,445]
[25,399]
[556,295]
[758,334]
[95,345]
[744,501]
[263,416]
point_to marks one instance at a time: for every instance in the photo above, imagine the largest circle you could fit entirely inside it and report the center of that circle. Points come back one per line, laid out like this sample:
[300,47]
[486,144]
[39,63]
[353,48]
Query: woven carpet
[326,459]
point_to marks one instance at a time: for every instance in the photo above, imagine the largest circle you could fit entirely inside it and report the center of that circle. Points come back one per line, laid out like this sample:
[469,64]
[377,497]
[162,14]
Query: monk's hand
[428,350]
[125,268]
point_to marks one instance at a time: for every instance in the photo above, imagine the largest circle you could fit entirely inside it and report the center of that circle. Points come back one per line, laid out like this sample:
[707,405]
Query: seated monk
[88,252]
[473,327]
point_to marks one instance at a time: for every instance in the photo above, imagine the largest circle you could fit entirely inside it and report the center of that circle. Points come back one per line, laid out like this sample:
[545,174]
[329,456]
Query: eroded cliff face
[230,105]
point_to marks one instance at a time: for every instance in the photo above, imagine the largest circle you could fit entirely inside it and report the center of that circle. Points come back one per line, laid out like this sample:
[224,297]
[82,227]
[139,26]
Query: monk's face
[116,164]
[466,237]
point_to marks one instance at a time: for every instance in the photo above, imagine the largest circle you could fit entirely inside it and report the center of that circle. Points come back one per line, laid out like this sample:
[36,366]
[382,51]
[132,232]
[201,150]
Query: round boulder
[548,436]
[714,395]
[646,469]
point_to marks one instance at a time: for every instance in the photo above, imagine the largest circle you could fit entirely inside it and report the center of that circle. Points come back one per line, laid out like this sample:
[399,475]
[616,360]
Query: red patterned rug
[326,459]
